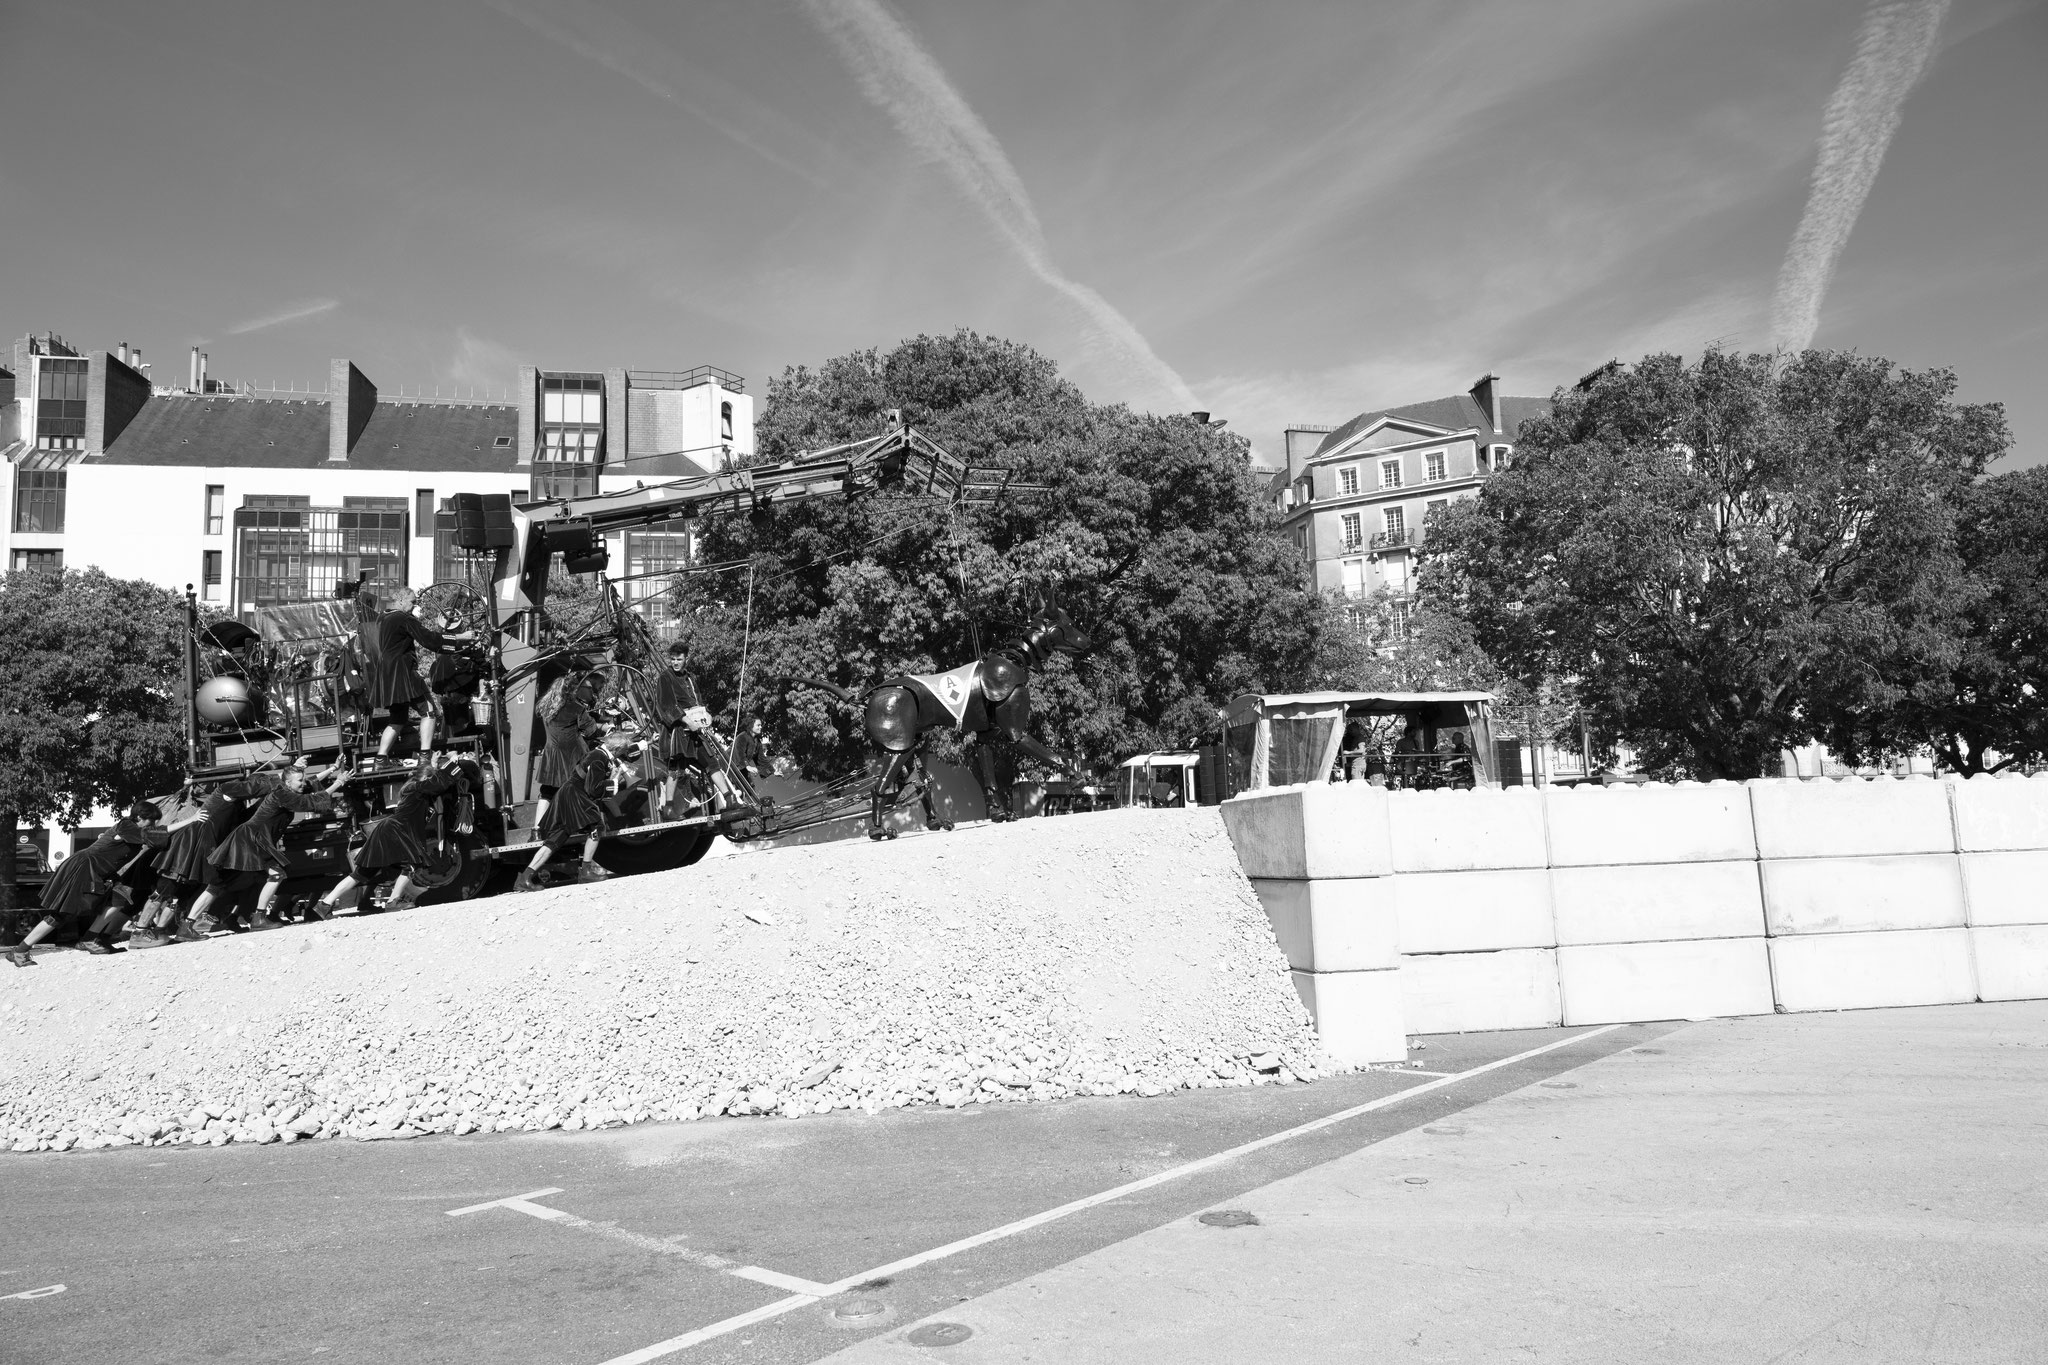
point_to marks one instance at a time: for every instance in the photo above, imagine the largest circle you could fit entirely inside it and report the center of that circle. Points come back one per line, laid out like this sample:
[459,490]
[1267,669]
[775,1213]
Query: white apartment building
[1358,498]
[260,496]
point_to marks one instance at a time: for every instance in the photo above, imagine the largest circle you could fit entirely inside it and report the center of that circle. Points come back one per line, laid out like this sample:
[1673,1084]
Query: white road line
[42,1293]
[777,1280]
[716,1329]
[1423,1073]
[516,1201]
[796,1301]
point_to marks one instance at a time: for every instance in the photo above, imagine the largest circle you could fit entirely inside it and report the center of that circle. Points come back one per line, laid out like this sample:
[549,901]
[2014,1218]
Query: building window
[650,557]
[1433,466]
[1301,539]
[1398,620]
[60,403]
[1502,456]
[1397,521]
[216,508]
[298,553]
[725,421]
[571,419]
[1354,532]
[423,511]
[1390,473]
[563,480]
[1354,577]
[210,575]
[1347,481]
[39,561]
[39,501]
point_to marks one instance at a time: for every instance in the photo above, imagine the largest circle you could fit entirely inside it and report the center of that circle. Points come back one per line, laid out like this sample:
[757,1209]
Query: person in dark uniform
[181,867]
[250,856]
[388,641]
[398,839]
[83,883]
[574,779]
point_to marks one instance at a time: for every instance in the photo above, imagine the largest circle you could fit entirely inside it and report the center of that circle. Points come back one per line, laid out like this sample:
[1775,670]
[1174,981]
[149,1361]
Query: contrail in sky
[310,308]
[1892,48]
[896,73]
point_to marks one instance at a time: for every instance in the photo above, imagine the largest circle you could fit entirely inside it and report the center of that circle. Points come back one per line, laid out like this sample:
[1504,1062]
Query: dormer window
[1501,456]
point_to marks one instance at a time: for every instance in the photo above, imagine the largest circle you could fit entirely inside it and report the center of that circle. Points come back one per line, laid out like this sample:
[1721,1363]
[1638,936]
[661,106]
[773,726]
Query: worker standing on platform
[388,641]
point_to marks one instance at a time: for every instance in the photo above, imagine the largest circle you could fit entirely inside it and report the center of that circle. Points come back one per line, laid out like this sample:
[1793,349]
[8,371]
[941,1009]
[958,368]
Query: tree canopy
[90,713]
[1155,535]
[1728,557]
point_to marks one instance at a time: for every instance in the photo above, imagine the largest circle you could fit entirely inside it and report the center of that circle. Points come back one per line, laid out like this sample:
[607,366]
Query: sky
[1277,212]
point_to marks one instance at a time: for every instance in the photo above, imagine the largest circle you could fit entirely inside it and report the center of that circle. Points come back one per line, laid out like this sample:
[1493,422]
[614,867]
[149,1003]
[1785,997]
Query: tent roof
[1269,701]
[1174,760]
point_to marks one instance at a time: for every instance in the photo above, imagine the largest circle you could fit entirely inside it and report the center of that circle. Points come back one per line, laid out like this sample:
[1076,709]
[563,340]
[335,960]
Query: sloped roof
[284,433]
[1456,413]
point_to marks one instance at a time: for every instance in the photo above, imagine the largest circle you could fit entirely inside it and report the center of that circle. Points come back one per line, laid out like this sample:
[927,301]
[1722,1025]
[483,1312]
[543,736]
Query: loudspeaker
[593,560]
[570,538]
[481,521]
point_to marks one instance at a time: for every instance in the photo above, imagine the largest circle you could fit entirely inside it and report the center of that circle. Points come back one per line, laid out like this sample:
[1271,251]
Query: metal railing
[686,379]
[1395,540]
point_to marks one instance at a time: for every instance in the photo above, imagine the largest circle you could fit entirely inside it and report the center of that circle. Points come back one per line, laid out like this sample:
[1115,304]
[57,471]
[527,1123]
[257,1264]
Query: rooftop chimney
[351,398]
[202,373]
[1486,393]
[192,372]
[123,353]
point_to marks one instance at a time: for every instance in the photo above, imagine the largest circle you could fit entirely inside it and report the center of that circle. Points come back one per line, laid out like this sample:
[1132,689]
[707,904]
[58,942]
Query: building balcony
[1395,540]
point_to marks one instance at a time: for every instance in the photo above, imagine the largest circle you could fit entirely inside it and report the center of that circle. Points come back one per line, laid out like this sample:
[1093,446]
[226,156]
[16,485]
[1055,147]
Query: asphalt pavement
[342,1251]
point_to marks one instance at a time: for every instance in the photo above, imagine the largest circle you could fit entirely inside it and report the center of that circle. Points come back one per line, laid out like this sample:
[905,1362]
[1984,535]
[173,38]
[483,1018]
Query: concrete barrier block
[1857,895]
[1317,830]
[1466,912]
[1471,992]
[2012,961]
[1656,901]
[2006,888]
[1614,983]
[1854,817]
[1465,831]
[1653,823]
[1357,1014]
[1998,813]
[1334,925]
[1872,971]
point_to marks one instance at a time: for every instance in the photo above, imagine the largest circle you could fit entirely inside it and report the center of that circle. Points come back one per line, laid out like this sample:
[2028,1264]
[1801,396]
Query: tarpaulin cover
[294,622]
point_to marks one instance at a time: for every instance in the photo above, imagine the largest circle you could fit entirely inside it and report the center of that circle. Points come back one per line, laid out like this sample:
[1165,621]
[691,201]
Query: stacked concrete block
[1478,939]
[2002,844]
[1658,910]
[1317,855]
[1863,893]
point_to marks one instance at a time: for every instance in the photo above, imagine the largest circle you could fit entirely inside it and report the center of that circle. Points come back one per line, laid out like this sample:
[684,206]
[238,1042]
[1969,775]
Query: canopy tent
[1140,777]
[1285,739]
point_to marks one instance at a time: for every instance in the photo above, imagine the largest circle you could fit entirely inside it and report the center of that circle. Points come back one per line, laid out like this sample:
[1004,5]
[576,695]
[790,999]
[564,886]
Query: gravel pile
[1117,953]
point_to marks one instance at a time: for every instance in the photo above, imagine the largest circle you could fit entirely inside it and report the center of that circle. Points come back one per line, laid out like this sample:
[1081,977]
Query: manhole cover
[939,1334]
[1560,1085]
[1414,1180]
[1229,1218]
[859,1310]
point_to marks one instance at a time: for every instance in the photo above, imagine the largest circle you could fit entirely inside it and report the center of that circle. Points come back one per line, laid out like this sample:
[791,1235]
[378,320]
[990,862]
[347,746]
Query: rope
[739,700]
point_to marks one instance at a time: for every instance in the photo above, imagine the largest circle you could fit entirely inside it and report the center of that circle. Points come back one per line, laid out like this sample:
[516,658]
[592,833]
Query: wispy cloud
[898,75]
[480,362]
[308,308]
[599,36]
[1892,47]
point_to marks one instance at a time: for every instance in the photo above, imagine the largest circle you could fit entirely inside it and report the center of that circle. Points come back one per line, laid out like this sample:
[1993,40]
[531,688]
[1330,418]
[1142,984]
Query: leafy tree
[1988,711]
[1730,557]
[1155,535]
[91,711]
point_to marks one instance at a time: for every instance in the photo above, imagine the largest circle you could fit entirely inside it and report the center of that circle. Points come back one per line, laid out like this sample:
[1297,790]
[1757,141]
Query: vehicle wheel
[457,872]
[656,853]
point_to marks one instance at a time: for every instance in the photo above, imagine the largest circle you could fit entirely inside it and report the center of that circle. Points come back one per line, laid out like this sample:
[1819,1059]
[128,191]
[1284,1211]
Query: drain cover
[856,1310]
[1229,1218]
[939,1334]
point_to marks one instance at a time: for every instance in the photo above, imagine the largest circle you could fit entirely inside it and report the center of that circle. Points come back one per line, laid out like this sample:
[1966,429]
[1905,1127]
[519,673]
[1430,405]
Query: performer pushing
[398,839]
[181,868]
[250,856]
[573,779]
[84,883]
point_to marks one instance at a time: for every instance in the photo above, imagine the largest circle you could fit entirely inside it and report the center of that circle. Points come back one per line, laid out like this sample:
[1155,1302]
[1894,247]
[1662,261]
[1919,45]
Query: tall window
[39,561]
[1399,621]
[1354,534]
[289,551]
[1390,473]
[725,421]
[216,508]
[1347,481]
[655,554]
[1397,521]
[39,500]
[210,575]
[1354,577]
[1433,466]
[571,436]
[60,403]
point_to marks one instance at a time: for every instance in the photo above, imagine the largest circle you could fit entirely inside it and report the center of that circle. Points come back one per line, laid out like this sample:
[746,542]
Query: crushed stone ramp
[1121,952]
